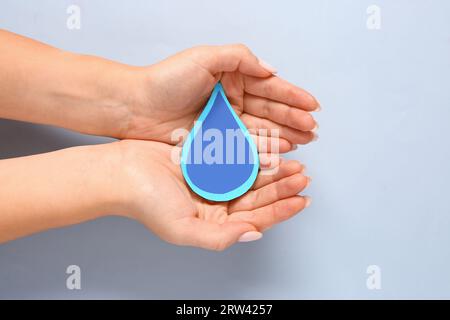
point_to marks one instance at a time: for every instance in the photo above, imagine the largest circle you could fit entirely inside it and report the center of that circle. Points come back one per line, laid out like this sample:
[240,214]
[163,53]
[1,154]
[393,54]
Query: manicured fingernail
[307,201]
[316,137]
[294,147]
[267,66]
[250,236]
[308,181]
[316,127]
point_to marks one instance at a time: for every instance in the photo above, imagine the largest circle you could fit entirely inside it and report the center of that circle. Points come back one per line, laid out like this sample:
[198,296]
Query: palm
[183,103]
[181,85]
[271,200]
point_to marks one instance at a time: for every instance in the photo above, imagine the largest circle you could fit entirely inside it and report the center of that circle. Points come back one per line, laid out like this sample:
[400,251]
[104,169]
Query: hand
[175,90]
[101,97]
[158,196]
[138,179]
[96,96]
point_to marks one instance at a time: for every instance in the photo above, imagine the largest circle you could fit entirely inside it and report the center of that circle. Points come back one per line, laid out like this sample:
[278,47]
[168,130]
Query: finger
[275,88]
[265,217]
[209,235]
[229,58]
[271,144]
[282,189]
[269,160]
[278,112]
[292,135]
[285,169]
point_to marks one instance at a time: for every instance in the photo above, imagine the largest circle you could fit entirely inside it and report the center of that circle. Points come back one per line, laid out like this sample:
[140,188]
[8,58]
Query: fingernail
[294,147]
[267,66]
[307,201]
[316,137]
[250,236]
[308,182]
[303,169]
[318,108]
[315,128]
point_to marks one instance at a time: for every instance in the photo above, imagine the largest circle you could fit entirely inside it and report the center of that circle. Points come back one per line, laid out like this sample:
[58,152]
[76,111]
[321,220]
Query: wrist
[100,95]
[106,180]
[133,176]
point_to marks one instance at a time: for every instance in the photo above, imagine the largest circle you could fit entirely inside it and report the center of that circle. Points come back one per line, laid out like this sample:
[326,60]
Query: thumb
[214,236]
[229,58]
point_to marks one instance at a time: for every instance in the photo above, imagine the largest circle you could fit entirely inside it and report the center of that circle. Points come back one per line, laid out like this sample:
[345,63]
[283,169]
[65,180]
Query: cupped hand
[157,195]
[175,90]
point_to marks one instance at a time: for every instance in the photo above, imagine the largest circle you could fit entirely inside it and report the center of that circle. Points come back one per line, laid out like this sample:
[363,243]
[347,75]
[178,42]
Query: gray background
[380,168]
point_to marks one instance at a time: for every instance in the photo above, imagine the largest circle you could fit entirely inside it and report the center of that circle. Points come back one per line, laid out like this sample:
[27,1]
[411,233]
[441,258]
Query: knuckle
[256,199]
[266,108]
[242,48]
[291,92]
[219,246]
[268,88]
[249,200]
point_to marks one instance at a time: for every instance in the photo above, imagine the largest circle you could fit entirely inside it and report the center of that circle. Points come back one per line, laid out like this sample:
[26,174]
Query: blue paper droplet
[219,159]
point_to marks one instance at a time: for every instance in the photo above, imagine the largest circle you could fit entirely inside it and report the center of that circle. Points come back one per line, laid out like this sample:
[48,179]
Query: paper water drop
[219,159]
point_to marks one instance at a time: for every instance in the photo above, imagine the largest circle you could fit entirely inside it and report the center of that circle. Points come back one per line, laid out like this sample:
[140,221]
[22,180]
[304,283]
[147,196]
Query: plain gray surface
[380,169]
